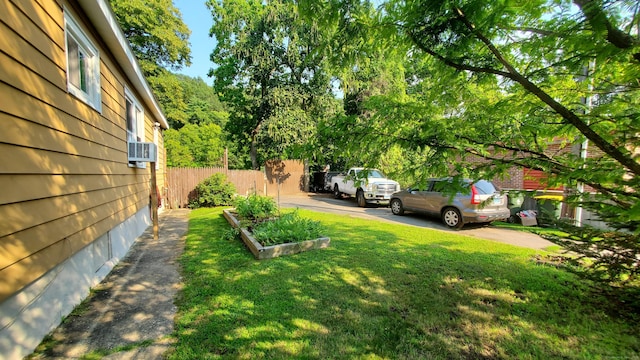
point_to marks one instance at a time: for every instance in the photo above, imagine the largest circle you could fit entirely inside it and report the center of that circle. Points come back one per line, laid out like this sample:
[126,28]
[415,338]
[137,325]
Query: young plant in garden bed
[259,214]
[268,235]
[255,208]
[289,227]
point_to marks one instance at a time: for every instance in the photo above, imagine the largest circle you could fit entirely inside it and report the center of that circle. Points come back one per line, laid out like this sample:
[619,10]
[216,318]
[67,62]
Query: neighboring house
[71,201]
[535,181]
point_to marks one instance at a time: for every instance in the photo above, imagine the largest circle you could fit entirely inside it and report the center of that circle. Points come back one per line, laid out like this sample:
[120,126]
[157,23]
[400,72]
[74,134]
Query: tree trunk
[254,153]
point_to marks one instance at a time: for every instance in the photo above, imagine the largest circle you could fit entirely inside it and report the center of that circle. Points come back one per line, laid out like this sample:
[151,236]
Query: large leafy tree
[268,74]
[156,32]
[492,85]
[200,140]
[203,105]
[160,40]
[195,146]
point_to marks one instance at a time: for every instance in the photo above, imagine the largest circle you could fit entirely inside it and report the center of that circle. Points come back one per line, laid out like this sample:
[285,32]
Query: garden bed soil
[267,252]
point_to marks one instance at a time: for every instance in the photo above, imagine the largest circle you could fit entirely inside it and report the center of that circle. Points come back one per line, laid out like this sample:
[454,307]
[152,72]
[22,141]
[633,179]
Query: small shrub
[214,191]
[287,228]
[256,207]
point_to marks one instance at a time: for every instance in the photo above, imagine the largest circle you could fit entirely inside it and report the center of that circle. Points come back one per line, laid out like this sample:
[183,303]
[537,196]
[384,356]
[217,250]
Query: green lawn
[383,291]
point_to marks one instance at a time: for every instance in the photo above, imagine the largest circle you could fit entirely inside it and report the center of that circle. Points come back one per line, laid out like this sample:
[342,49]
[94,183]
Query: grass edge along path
[384,291]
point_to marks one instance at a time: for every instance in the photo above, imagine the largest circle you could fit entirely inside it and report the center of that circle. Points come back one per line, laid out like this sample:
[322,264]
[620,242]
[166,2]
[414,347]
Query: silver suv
[476,202]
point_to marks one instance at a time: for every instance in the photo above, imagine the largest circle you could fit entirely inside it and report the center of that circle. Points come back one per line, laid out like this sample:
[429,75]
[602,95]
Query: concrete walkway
[133,308]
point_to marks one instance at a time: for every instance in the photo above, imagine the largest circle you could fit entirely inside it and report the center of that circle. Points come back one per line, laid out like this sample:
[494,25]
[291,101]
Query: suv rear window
[484,187]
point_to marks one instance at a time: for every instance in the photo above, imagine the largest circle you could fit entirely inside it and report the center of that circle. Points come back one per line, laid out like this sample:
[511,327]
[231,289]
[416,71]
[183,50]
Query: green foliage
[194,146]
[493,86]
[160,41]
[168,90]
[275,85]
[287,228]
[203,105]
[156,32]
[214,191]
[255,207]
[231,234]
[603,256]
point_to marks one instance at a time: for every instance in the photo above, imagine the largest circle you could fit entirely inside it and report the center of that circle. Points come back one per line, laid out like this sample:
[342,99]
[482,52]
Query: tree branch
[458,66]
[624,159]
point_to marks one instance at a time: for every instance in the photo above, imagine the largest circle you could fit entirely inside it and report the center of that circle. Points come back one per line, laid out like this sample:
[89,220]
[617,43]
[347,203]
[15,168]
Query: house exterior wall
[30,314]
[514,179]
[71,205]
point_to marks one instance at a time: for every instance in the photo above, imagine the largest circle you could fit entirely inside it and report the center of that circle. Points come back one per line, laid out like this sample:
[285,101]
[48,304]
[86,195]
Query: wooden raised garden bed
[267,252]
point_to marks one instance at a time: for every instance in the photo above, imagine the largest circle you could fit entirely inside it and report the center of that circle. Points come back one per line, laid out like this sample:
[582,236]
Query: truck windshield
[373,173]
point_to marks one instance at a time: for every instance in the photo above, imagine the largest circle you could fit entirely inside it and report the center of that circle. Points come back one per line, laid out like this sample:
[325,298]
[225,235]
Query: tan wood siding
[26,214]
[64,173]
[26,187]
[30,268]
[42,30]
[12,249]
[21,78]
[26,133]
[36,161]
[111,104]
[42,113]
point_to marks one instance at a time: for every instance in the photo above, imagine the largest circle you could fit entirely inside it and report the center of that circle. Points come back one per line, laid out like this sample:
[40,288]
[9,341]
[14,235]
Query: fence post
[226,161]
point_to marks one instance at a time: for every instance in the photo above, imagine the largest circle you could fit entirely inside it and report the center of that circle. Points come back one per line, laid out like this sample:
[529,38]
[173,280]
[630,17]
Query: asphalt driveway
[324,202]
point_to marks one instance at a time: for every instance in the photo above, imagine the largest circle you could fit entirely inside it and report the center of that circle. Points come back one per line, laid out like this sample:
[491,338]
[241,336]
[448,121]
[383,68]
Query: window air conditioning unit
[142,152]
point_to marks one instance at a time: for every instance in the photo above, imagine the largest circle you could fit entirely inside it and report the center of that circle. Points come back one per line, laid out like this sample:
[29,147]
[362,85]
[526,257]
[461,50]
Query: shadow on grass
[383,291]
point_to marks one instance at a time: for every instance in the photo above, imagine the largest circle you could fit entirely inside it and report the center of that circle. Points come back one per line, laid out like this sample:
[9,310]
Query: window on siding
[83,64]
[135,122]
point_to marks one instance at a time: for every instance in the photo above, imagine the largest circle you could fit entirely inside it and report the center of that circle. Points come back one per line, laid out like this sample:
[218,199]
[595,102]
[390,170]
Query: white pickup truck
[372,187]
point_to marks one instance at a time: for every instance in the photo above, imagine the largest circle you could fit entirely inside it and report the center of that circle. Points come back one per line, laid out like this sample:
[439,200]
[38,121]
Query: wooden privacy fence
[182,182]
[284,177]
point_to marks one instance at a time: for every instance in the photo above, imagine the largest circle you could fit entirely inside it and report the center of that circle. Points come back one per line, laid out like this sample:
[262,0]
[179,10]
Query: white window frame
[89,90]
[137,133]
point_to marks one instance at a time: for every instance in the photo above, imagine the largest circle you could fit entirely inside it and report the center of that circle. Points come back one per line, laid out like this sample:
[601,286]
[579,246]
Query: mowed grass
[383,291]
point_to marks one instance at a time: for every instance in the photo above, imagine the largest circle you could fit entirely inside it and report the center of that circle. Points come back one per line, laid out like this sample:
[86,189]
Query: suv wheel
[452,218]
[336,192]
[396,207]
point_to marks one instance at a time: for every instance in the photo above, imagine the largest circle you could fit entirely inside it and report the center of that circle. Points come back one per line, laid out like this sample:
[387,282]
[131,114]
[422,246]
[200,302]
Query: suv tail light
[475,197]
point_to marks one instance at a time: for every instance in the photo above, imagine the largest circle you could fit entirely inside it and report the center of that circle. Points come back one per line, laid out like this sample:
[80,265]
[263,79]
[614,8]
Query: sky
[198,18]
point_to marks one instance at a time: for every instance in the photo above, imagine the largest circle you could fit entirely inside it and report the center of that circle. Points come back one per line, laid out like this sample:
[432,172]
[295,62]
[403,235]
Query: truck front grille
[387,188]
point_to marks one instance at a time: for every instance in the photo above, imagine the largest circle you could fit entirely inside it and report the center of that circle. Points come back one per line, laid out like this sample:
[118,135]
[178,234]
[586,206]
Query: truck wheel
[452,218]
[336,192]
[360,198]
[396,207]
